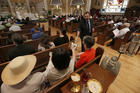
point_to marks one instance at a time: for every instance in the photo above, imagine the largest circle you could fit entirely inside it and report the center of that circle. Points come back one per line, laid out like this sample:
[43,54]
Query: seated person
[18,21]
[20,49]
[60,64]
[119,32]
[110,21]
[37,26]
[17,77]
[2,27]
[15,27]
[132,27]
[37,33]
[45,43]
[62,38]
[123,30]
[9,40]
[89,53]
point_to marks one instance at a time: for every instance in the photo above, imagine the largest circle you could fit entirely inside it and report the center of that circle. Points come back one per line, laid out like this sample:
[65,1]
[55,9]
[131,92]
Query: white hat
[127,24]
[18,69]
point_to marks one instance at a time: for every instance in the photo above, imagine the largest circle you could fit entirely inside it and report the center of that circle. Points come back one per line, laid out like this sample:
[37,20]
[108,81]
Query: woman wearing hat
[17,77]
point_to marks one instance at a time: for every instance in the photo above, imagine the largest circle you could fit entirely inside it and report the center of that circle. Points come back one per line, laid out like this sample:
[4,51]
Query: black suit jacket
[84,28]
[21,50]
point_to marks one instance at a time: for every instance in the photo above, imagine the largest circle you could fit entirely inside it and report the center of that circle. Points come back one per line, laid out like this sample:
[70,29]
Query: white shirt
[55,75]
[14,28]
[32,84]
[110,22]
[120,33]
[41,48]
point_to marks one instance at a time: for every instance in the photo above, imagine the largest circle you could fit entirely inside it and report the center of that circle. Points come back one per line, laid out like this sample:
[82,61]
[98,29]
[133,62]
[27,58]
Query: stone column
[66,7]
[88,5]
[11,8]
[28,7]
[45,5]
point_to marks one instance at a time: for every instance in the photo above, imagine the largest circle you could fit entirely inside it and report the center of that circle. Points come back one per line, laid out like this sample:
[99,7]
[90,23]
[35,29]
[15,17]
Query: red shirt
[86,57]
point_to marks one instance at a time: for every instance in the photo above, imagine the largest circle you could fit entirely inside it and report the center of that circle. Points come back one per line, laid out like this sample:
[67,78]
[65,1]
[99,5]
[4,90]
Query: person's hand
[76,39]
[73,46]
[93,30]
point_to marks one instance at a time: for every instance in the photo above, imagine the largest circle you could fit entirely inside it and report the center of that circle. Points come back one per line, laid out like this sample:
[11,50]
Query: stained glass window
[114,6]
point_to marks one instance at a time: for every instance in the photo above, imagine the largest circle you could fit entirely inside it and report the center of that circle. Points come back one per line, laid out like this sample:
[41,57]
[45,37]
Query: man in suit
[86,27]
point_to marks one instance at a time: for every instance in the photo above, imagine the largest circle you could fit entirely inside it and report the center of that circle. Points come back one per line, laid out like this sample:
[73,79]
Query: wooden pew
[119,42]
[5,49]
[101,28]
[3,40]
[105,36]
[23,31]
[42,58]
[56,87]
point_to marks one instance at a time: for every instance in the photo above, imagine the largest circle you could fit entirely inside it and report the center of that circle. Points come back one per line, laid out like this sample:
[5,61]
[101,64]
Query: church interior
[70,46]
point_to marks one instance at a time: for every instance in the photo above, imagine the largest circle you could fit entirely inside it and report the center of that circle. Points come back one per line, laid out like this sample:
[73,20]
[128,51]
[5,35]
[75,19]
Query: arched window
[114,6]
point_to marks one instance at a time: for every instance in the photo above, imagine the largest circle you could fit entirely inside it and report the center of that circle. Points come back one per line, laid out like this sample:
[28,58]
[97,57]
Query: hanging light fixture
[77,2]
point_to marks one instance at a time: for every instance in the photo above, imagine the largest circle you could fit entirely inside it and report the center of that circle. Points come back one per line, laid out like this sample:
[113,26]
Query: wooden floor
[128,79]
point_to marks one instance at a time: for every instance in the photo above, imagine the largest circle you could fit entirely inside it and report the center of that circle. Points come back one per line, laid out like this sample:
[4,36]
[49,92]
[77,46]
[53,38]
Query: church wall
[97,4]
[133,3]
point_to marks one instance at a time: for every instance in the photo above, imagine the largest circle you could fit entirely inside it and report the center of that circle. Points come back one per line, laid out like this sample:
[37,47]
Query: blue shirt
[33,29]
[36,35]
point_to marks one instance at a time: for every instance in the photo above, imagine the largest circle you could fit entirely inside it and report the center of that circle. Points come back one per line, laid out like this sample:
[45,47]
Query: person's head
[88,42]
[18,69]
[62,32]
[45,40]
[60,58]
[132,25]
[37,24]
[10,34]
[27,19]
[87,15]
[37,29]
[17,39]
[18,20]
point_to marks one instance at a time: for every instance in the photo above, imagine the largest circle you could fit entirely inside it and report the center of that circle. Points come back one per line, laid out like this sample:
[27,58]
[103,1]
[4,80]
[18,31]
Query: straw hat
[18,69]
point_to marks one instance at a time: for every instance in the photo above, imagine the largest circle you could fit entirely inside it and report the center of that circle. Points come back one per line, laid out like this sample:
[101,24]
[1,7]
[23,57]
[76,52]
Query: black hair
[10,34]
[87,13]
[17,38]
[44,40]
[63,31]
[37,28]
[88,41]
[60,58]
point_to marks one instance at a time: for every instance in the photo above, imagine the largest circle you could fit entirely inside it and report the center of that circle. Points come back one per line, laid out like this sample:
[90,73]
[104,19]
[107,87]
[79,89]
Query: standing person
[86,27]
